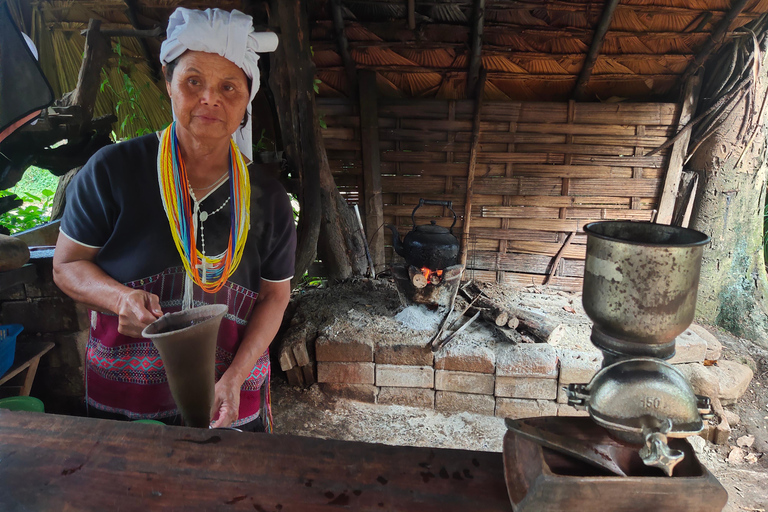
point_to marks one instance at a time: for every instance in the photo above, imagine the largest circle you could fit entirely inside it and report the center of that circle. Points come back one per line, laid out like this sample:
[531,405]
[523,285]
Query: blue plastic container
[8,335]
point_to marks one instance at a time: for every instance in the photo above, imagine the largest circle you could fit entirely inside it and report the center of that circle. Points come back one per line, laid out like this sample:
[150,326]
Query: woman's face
[209,95]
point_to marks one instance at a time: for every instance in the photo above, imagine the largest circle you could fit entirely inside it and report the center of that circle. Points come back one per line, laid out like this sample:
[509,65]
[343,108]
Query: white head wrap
[230,35]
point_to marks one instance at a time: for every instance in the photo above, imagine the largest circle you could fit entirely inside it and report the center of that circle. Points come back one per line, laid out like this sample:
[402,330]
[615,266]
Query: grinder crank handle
[435,202]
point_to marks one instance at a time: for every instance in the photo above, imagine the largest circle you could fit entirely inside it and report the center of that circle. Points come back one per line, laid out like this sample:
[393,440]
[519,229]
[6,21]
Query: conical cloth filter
[187,344]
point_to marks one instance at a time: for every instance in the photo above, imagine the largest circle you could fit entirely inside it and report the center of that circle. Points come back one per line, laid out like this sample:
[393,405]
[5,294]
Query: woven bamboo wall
[543,171]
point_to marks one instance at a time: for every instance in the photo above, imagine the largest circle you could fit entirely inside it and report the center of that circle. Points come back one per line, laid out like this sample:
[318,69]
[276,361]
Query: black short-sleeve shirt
[114,204]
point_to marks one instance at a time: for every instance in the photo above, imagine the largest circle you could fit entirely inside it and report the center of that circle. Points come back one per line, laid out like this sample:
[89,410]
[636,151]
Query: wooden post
[154,64]
[97,49]
[472,163]
[476,40]
[412,14]
[291,84]
[341,40]
[369,141]
[594,49]
[679,151]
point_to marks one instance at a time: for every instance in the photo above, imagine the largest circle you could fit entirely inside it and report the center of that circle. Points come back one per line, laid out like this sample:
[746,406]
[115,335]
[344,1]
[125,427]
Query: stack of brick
[526,381]
[404,372]
[465,380]
[515,381]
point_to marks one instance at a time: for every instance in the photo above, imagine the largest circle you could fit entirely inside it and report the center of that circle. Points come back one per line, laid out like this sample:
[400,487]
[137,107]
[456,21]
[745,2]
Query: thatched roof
[531,50]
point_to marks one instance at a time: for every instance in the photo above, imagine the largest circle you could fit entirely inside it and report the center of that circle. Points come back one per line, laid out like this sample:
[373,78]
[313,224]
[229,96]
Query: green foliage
[36,210]
[129,97]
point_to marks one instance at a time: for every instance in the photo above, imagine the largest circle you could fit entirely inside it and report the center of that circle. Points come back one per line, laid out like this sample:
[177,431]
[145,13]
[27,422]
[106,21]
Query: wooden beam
[412,14]
[154,64]
[97,50]
[594,49]
[718,35]
[341,41]
[476,40]
[155,32]
[679,151]
[369,141]
[473,150]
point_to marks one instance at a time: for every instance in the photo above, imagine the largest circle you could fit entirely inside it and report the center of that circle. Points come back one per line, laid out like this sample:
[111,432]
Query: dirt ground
[309,412]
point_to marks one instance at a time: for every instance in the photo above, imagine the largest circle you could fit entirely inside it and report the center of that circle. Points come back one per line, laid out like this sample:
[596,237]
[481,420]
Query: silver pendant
[203,216]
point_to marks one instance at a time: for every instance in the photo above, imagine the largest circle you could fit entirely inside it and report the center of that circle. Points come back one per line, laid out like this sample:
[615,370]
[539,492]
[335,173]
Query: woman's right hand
[136,310]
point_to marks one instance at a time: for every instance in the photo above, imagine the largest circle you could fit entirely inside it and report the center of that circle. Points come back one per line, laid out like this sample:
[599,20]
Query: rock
[751,458]
[734,379]
[698,443]
[732,417]
[736,456]
[745,441]
[727,380]
[689,348]
[714,347]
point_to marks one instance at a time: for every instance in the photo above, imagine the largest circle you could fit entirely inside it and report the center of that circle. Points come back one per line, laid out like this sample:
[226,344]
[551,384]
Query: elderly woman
[175,219]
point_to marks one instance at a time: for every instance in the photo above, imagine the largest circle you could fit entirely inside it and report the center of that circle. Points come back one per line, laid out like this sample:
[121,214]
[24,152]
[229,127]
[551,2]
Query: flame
[432,276]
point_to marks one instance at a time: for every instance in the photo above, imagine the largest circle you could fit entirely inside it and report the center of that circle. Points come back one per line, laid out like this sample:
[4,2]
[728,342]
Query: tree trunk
[290,80]
[324,214]
[729,208]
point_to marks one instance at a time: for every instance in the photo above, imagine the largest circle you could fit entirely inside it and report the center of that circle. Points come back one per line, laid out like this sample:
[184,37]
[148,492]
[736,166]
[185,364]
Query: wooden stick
[594,49]
[472,163]
[559,256]
[447,339]
[412,14]
[445,320]
[417,278]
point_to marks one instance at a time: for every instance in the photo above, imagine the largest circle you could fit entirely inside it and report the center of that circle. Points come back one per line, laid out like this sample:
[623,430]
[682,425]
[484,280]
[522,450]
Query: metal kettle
[429,245]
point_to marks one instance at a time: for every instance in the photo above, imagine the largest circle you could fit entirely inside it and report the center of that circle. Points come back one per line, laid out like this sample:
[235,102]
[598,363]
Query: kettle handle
[434,202]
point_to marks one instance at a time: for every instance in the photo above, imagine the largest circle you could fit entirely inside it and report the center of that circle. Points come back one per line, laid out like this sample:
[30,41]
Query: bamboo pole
[594,49]
[475,58]
[472,164]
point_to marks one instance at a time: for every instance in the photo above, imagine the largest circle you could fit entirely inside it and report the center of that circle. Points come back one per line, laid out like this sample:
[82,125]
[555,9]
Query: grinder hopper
[187,344]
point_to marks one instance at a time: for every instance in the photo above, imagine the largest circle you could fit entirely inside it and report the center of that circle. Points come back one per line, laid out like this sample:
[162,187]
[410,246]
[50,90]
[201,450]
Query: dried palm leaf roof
[532,50]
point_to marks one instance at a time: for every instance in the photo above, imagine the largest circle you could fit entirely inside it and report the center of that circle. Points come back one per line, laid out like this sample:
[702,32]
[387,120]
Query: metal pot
[428,246]
[640,285]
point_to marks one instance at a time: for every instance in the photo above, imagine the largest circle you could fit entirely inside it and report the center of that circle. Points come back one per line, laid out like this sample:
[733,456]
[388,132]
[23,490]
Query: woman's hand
[226,402]
[136,310]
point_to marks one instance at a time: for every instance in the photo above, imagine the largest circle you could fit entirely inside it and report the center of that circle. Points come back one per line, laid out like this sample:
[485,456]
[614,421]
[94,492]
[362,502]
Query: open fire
[432,276]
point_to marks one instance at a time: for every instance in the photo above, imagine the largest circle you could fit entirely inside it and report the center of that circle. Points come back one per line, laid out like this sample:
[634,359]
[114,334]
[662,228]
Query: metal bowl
[634,396]
[640,284]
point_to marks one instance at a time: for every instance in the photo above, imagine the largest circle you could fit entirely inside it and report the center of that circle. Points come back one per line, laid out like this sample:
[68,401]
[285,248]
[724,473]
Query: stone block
[357,392]
[404,354]
[526,387]
[345,373]
[689,348]
[517,408]
[578,367]
[449,401]
[714,347]
[13,293]
[47,314]
[562,393]
[413,397]
[464,382]
[344,350]
[466,358]
[43,286]
[526,360]
[405,376]
[568,410]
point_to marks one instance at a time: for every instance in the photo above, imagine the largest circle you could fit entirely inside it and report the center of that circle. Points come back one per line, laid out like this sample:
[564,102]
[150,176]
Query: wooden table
[50,462]
[25,362]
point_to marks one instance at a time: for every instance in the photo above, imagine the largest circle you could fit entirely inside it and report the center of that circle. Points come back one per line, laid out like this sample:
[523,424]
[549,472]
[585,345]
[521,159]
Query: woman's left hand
[226,402]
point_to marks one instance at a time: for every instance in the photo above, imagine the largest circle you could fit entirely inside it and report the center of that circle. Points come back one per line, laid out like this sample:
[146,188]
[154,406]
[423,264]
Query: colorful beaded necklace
[208,272]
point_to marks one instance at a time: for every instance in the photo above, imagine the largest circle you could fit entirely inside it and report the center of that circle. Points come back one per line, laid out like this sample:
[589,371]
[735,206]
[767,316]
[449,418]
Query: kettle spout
[396,243]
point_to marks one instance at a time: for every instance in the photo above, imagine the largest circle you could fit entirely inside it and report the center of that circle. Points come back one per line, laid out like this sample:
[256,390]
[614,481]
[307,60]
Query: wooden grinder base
[540,480]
